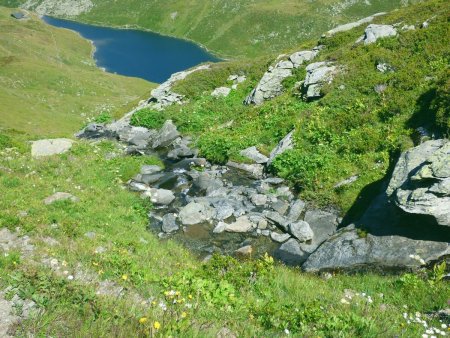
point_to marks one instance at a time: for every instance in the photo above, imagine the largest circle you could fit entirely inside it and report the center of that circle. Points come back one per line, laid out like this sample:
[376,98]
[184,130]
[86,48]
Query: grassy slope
[253,298]
[49,84]
[349,132]
[235,27]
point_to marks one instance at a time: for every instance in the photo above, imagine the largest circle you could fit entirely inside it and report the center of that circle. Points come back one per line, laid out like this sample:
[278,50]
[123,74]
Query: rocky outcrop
[351,249]
[351,25]
[66,8]
[49,147]
[317,75]
[420,182]
[375,32]
[270,85]
[409,219]
[163,96]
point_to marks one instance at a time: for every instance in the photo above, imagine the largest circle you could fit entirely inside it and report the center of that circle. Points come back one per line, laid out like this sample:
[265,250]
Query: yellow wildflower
[143,320]
[124,277]
[190,296]
[183,315]
[156,325]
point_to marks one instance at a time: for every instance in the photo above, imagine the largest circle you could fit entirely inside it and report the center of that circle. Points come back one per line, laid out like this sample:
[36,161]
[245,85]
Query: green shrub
[148,118]
[103,117]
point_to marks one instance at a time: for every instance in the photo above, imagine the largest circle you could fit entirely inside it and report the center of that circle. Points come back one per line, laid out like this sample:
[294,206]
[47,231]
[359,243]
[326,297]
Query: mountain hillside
[49,83]
[230,28]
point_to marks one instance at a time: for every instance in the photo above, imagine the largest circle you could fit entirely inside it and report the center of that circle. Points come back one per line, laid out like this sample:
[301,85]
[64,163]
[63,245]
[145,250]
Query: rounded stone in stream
[195,213]
[160,196]
[169,223]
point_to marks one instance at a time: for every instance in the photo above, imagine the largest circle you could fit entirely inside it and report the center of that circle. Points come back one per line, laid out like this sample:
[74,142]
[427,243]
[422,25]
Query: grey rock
[299,58]
[254,170]
[181,151]
[420,183]
[49,147]
[225,208]
[277,219]
[291,253]
[220,227]
[138,186]
[195,213]
[301,230]
[244,251]
[149,179]
[317,75]
[285,144]
[280,206]
[160,196]
[347,250]
[242,224]
[207,181]
[150,169]
[296,210]
[375,32]
[380,88]
[90,235]
[273,180]
[351,25]
[166,135]
[279,238]
[221,92]
[169,223]
[93,131]
[253,154]
[60,196]
[259,199]
[384,68]
[137,136]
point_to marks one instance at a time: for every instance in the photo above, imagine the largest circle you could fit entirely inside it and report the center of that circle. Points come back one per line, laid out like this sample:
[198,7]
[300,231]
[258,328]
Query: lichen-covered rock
[49,147]
[375,32]
[317,75]
[420,183]
[348,250]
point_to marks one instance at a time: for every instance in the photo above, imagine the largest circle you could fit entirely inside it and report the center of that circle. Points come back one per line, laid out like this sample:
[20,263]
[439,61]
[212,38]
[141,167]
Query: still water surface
[147,55]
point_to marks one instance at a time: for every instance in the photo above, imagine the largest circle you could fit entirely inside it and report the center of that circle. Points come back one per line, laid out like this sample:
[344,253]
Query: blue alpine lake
[136,53]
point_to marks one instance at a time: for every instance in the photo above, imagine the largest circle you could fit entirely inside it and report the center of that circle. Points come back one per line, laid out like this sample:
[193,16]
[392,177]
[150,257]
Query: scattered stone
[90,235]
[166,135]
[195,213]
[381,88]
[255,170]
[301,57]
[220,227]
[259,199]
[280,206]
[384,68]
[136,136]
[276,218]
[60,196]
[253,154]
[301,230]
[169,223]
[291,253]
[296,210]
[317,75]
[242,224]
[150,169]
[160,196]
[137,186]
[375,32]
[221,92]
[279,238]
[49,147]
[351,25]
[245,250]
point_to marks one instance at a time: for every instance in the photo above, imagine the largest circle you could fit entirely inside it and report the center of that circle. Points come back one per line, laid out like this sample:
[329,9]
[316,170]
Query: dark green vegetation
[252,298]
[352,130]
[49,84]
[232,27]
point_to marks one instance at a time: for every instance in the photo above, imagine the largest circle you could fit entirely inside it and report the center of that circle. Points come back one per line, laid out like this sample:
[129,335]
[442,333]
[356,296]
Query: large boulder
[196,213]
[353,249]
[291,253]
[420,183]
[49,147]
[270,85]
[166,135]
[317,75]
[253,154]
[375,32]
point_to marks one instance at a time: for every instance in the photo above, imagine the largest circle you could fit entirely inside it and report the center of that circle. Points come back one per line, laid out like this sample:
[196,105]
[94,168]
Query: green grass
[49,84]
[234,27]
[351,131]
[252,298]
